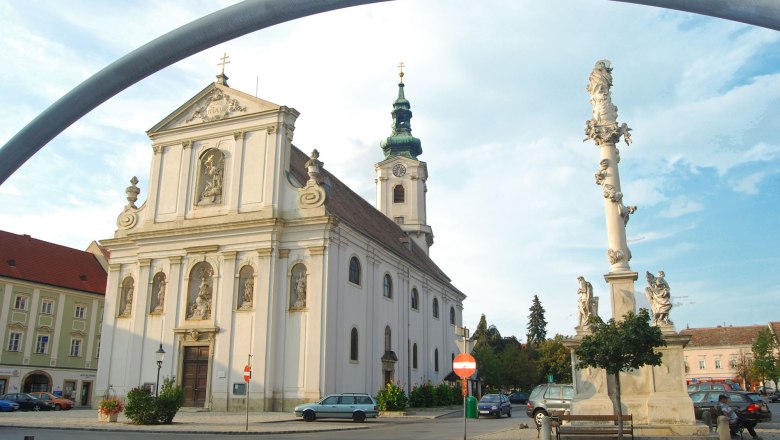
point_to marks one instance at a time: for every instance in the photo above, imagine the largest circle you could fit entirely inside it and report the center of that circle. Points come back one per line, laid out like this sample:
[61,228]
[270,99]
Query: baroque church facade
[248,252]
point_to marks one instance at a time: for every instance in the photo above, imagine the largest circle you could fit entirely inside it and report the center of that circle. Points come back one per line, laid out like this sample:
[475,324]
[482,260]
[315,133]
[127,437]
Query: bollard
[723,428]
[29,437]
[707,417]
[546,432]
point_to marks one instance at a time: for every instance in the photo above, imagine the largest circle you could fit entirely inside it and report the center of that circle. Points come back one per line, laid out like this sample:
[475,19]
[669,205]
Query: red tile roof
[722,336]
[352,209]
[25,258]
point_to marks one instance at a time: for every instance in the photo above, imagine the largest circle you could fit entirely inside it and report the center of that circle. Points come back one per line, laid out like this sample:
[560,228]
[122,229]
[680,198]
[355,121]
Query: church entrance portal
[196,368]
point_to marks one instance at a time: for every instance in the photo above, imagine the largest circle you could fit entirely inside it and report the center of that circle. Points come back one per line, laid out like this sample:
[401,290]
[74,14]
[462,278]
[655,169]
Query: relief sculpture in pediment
[218,105]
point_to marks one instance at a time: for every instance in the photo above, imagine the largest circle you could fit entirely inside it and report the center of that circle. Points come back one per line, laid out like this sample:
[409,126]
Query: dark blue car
[494,405]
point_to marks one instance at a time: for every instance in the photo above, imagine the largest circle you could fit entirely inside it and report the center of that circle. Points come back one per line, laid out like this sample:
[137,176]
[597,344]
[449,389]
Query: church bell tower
[401,177]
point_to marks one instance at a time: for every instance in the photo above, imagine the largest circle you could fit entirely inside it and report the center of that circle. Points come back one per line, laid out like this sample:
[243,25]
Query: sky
[498,95]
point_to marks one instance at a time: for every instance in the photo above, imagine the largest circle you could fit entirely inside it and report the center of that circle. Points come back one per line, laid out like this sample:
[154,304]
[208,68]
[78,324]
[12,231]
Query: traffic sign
[464,388]
[464,365]
[247,373]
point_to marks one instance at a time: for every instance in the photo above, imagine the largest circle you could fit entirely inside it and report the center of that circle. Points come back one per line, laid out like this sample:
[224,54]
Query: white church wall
[254,171]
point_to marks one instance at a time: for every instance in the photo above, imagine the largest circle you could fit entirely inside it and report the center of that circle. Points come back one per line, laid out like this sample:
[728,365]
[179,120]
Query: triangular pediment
[216,102]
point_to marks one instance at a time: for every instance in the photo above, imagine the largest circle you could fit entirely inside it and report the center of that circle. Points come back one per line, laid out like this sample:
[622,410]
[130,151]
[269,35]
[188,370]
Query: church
[248,252]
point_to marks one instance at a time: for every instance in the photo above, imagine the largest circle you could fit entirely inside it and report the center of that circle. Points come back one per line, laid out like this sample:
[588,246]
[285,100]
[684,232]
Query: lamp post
[160,353]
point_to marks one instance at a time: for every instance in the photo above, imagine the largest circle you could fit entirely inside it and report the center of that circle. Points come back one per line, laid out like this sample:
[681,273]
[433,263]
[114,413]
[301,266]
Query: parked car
[494,405]
[8,405]
[712,386]
[769,394]
[344,406]
[749,404]
[518,397]
[27,402]
[58,402]
[548,398]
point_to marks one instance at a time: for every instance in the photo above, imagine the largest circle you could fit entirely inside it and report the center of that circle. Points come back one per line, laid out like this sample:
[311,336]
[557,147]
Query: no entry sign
[464,365]
[247,373]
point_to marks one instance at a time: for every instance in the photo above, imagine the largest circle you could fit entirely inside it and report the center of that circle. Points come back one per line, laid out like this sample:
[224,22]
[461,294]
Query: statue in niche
[127,295]
[200,308]
[586,304]
[159,292]
[247,293]
[659,296]
[299,288]
[212,172]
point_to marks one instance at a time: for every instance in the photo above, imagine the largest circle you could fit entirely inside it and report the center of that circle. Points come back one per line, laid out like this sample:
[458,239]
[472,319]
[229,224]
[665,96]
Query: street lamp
[160,353]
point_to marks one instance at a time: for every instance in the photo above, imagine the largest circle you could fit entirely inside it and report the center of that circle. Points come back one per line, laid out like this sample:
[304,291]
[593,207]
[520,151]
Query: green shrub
[421,396]
[442,395]
[169,401]
[141,407]
[391,398]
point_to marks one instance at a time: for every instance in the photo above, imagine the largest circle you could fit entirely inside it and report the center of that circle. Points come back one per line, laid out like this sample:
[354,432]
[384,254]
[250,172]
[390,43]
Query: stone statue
[160,293]
[246,296]
[214,167]
[585,307]
[128,295]
[314,166]
[132,192]
[201,307]
[601,174]
[300,290]
[658,294]
[603,127]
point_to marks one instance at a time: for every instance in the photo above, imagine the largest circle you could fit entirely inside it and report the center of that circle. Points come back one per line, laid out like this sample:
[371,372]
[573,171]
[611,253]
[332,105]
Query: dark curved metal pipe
[763,13]
[203,33]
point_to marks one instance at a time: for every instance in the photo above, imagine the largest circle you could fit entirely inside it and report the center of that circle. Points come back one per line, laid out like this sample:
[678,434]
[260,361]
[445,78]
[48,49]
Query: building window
[415,300]
[354,271]
[398,194]
[436,360]
[353,345]
[702,364]
[14,341]
[75,347]
[47,306]
[21,302]
[436,308]
[452,315]
[733,362]
[388,286]
[388,339]
[414,355]
[81,312]
[399,220]
[97,353]
[42,345]
[718,366]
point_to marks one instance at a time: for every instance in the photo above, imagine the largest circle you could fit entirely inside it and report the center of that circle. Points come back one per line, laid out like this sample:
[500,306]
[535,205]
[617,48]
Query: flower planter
[107,417]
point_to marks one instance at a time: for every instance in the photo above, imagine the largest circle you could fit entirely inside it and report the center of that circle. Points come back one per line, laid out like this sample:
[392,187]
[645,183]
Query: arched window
[354,271]
[398,194]
[388,286]
[436,360]
[452,315]
[415,300]
[388,339]
[414,355]
[436,307]
[353,345]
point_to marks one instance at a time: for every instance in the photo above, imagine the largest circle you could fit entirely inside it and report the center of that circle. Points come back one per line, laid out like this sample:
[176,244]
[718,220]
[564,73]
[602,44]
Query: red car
[58,402]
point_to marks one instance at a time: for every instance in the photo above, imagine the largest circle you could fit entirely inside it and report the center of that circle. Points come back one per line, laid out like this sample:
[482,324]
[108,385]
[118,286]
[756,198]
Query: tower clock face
[399,170]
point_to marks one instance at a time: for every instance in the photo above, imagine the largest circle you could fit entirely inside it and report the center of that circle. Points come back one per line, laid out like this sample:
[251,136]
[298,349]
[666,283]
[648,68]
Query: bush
[391,398]
[141,407]
[169,401]
[421,396]
[111,405]
[442,395]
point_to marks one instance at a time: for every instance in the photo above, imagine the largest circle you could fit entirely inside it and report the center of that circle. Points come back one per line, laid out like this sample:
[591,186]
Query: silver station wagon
[343,406]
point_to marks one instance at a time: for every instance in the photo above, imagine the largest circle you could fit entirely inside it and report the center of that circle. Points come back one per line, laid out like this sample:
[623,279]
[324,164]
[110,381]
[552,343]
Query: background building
[247,251]
[51,304]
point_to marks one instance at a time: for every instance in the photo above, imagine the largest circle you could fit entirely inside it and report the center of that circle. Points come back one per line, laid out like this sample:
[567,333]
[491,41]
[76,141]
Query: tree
[537,326]
[619,346]
[764,360]
[480,334]
[554,359]
[743,369]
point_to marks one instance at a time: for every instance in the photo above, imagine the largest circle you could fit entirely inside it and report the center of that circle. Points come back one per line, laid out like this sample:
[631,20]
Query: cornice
[205,249]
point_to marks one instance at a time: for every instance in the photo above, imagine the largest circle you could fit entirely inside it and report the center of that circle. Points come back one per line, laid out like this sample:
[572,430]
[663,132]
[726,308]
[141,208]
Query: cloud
[681,206]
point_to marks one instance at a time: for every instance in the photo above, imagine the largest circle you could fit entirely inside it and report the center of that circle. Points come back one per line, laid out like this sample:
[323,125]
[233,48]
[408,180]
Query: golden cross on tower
[401,67]
[224,59]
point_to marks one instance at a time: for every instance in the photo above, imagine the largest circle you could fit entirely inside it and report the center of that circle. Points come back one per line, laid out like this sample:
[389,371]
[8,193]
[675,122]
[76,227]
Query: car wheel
[509,413]
[36,408]
[57,407]
[309,416]
[359,416]
[538,414]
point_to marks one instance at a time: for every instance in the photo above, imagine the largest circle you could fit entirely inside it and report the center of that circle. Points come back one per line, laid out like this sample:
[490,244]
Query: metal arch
[250,16]
[203,33]
[764,13]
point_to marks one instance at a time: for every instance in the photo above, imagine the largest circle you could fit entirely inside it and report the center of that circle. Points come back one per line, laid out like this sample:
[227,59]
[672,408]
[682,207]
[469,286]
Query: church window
[354,271]
[452,315]
[399,220]
[414,355]
[436,308]
[75,347]
[398,194]
[388,286]
[353,345]
[388,339]
[415,300]
[436,360]
[14,341]
[47,306]
[20,303]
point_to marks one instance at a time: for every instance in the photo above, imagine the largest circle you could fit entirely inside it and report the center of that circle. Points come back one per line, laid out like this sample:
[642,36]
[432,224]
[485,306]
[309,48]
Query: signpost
[247,376]
[464,365]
